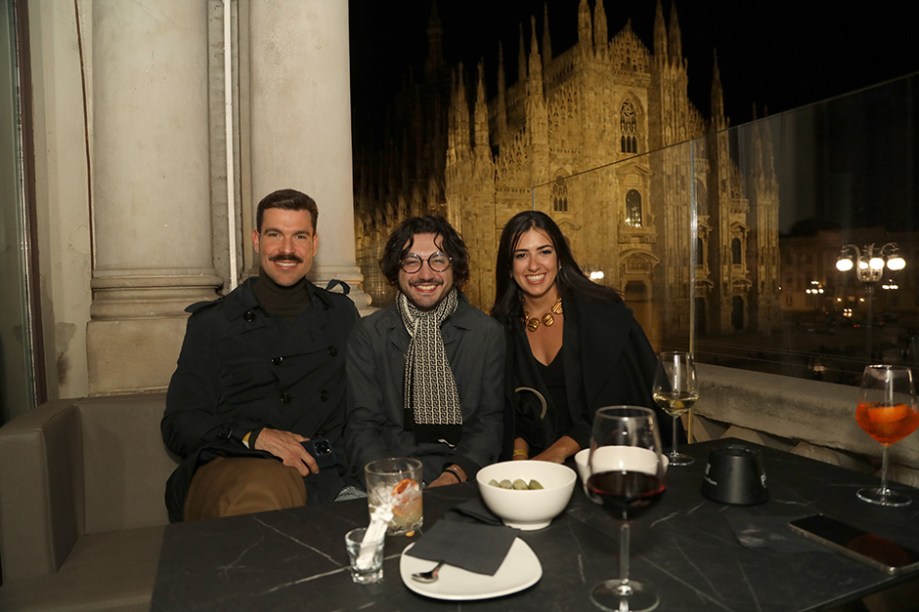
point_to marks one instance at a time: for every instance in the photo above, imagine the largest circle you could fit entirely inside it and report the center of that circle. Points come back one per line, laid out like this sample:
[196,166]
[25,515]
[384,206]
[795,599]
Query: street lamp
[869,263]
[815,290]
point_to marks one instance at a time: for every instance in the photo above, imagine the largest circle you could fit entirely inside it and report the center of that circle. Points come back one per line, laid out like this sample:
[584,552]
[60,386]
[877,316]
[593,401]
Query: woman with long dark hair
[573,346]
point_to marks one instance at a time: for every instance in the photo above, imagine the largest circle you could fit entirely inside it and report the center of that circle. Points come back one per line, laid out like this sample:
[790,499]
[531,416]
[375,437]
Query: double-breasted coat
[241,369]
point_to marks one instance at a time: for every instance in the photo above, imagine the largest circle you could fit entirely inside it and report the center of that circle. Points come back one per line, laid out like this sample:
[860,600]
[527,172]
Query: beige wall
[130,236]
[61,192]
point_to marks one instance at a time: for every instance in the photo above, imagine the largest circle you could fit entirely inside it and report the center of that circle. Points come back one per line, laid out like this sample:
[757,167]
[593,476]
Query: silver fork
[428,576]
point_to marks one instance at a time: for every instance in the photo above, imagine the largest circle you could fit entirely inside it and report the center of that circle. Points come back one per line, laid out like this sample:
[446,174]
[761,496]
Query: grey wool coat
[475,348]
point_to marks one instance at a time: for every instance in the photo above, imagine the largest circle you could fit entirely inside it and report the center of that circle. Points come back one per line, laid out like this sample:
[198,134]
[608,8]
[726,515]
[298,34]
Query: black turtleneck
[280,301]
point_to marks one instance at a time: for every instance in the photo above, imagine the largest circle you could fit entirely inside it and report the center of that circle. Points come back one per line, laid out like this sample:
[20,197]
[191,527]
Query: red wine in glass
[627,476]
[626,494]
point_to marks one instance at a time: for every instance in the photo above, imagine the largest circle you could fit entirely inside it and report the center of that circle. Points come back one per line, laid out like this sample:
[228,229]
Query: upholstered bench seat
[104,571]
[81,504]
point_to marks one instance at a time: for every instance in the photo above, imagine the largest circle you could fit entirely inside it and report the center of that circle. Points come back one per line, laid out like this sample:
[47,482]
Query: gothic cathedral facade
[603,137]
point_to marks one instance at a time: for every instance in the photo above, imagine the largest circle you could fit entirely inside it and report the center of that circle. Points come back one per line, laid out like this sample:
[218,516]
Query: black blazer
[608,361]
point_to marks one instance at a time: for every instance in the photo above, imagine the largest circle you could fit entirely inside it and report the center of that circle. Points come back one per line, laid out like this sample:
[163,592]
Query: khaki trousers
[228,486]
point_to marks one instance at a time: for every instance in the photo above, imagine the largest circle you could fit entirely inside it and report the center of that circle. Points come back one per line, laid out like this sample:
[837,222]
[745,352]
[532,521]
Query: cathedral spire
[601,35]
[675,43]
[521,59]
[435,58]
[535,65]
[718,118]
[585,31]
[482,145]
[461,112]
[660,35]
[502,93]
[546,39]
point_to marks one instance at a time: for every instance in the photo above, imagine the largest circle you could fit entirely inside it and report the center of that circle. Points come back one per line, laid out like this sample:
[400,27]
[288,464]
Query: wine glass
[675,390]
[627,477]
[887,409]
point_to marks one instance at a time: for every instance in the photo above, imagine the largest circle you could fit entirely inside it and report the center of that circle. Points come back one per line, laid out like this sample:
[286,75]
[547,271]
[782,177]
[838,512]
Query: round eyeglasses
[438,262]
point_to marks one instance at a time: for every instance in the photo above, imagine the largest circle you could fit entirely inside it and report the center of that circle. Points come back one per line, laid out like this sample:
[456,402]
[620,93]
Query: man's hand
[287,446]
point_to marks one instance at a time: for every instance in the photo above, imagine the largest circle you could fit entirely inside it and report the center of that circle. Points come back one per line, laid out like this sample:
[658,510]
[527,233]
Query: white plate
[521,569]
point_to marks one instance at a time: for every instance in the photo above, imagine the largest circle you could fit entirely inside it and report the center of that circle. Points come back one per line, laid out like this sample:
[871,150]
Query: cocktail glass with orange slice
[394,484]
[887,410]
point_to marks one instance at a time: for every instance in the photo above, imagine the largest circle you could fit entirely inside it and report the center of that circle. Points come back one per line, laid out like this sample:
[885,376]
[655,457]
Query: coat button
[277,361]
[323,395]
[333,351]
[285,399]
[249,316]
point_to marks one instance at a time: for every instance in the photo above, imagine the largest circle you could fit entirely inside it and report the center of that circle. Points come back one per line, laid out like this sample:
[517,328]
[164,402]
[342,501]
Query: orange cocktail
[887,423]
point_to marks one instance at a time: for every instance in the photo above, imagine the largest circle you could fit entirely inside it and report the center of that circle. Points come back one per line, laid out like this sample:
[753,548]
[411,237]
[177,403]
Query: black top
[281,301]
[606,360]
[553,376]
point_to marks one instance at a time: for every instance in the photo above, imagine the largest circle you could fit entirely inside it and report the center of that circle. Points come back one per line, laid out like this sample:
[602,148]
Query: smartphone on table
[885,554]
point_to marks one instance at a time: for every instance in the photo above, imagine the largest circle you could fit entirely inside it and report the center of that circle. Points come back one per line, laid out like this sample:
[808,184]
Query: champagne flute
[627,477]
[887,409]
[675,390]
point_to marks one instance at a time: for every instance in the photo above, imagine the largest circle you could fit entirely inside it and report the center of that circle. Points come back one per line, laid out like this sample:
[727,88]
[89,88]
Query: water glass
[366,560]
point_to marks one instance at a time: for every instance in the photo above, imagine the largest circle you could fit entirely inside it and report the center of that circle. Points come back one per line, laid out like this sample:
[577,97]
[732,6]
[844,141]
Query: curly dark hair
[570,279]
[402,238]
[287,199]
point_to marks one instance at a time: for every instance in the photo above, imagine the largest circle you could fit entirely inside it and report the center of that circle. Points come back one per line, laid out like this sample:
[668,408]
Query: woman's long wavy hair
[571,280]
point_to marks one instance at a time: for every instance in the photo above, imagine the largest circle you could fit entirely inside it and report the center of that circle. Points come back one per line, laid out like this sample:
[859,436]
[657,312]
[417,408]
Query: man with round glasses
[426,374]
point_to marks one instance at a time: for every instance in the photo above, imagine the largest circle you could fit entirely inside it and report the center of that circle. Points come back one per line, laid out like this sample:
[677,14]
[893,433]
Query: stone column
[150,183]
[301,121]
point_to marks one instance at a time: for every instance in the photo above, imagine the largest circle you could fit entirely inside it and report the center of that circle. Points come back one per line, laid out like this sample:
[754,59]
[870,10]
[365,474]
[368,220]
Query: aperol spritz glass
[887,409]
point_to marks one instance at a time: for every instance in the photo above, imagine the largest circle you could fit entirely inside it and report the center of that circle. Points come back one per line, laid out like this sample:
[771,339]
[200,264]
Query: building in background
[603,137]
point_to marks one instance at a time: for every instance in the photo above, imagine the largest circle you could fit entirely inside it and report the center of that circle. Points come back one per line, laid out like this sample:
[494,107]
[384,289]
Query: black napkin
[477,548]
[474,509]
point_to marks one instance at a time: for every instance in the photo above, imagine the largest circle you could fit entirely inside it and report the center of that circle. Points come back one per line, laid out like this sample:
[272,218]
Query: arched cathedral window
[633,208]
[736,252]
[560,195]
[628,128]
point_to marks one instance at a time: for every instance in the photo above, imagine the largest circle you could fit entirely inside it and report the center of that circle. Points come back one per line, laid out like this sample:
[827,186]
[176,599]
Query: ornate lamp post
[815,290]
[869,263]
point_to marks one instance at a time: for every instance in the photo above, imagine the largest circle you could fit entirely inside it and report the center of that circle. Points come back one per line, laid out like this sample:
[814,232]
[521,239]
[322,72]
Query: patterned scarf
[430,398]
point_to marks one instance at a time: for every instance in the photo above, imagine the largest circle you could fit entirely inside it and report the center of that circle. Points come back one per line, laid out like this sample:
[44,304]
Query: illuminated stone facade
[604,138]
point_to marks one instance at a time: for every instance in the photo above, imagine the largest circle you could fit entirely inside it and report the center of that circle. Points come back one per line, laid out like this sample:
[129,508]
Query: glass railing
[17,375]
[728,244]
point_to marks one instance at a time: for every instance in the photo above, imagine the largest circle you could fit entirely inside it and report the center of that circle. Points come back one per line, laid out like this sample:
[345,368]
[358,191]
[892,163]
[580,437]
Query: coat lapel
[601,334]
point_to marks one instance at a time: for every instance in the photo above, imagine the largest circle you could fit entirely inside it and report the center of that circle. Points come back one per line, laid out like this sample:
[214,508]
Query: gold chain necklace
[547,319]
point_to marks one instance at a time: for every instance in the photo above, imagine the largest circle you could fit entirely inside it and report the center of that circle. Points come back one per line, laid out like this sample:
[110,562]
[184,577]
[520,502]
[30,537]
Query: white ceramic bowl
[619,458]
[530,509]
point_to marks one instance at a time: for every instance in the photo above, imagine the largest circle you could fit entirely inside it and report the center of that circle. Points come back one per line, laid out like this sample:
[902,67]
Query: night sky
[775,54]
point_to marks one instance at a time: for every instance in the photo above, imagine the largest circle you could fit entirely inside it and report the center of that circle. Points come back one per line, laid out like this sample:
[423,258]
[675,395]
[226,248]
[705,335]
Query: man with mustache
[261,372]
[425,374]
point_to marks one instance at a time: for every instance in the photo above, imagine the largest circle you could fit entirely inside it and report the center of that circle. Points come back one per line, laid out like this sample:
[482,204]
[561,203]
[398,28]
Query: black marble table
[684,547]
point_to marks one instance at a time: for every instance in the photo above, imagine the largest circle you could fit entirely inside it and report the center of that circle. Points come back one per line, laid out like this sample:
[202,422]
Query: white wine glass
[675,390]
[627,476]
[887,409]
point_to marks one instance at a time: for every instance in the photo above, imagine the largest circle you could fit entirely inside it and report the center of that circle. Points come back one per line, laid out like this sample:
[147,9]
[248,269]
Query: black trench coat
[241,369]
